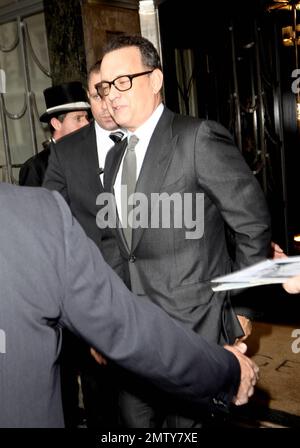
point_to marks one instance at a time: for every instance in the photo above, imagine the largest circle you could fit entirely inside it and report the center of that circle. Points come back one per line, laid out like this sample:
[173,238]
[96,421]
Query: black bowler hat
[64,98]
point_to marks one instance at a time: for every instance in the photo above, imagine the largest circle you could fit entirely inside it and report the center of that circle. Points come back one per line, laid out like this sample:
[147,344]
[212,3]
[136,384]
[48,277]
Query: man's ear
[55,123]
[157,80]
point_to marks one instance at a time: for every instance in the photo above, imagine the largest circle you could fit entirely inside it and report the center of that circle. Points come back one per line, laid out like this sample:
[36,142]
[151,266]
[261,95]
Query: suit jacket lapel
[158,156]
[157,159]
[112,165]
[90,164]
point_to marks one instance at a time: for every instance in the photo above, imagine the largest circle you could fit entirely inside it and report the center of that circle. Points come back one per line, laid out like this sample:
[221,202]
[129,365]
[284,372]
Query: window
[25,74]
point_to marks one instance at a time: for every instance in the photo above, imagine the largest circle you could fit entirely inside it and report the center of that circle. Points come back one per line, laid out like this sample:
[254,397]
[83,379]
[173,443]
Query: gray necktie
[129,180]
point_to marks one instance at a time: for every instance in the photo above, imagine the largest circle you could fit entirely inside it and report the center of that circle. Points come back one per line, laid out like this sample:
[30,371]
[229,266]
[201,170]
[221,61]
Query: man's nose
[113,93]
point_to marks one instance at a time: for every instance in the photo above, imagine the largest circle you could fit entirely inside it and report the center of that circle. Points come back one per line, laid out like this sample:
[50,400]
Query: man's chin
[108,124]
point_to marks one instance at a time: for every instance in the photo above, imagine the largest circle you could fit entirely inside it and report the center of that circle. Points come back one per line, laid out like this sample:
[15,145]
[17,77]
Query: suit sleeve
[135,333]
[238,196]
[29,176]
[55,174]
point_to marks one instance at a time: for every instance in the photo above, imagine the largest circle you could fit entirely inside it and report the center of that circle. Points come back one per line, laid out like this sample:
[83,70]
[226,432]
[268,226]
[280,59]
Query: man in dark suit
[205,186]
[66,111]
[75,169]
[52,275]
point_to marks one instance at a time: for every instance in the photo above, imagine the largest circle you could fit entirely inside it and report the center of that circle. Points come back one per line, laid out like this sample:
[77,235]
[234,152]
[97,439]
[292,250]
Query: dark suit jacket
[52,275]
[73,171]
[187,155]
[32,172]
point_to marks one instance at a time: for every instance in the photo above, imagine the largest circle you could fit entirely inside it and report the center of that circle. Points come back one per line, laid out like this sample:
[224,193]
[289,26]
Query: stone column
[65,40]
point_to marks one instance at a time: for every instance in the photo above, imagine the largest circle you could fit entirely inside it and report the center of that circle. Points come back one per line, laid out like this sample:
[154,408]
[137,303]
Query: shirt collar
[147,128]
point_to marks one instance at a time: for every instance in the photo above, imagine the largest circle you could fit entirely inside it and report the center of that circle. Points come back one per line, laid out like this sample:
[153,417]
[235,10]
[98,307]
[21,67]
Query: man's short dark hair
[95,68]
[150,56]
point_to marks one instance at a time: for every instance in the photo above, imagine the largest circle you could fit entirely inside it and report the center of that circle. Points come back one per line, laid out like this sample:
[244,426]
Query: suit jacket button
[132,258]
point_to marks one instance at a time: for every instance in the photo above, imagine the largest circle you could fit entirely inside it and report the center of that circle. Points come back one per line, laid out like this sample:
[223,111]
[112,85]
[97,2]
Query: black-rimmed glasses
[121,83]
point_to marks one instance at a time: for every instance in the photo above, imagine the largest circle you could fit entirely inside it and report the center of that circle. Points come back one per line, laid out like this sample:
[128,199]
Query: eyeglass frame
[112,83]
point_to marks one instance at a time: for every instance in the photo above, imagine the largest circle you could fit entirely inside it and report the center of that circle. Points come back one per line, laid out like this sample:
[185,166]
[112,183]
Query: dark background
[243,77]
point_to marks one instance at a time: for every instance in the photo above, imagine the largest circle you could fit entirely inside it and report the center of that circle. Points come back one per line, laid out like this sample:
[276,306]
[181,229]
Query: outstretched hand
[249,373]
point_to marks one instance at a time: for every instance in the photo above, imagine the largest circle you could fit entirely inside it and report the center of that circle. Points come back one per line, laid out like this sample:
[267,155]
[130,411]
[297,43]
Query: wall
[77,31]
[101,21]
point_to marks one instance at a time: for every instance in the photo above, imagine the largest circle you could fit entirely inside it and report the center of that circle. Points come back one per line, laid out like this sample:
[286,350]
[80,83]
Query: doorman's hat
[64,98]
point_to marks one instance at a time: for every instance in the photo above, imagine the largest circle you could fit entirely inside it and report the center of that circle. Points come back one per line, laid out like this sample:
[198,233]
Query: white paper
[263,273]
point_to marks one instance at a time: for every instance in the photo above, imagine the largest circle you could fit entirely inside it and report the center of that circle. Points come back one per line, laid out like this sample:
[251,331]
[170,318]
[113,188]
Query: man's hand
[98,357]
[246,325]
[276,251]
[249,373]
[292,285]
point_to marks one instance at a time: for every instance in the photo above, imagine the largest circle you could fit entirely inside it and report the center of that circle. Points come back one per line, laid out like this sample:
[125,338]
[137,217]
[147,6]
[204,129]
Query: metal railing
[22,42]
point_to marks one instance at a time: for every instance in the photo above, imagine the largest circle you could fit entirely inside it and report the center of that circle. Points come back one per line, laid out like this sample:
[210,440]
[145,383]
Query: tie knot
[132,142]
[116,136]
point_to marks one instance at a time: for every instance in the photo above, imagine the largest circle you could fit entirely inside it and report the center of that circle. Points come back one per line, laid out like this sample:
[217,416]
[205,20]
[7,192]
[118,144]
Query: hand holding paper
[266,272]
[292,285]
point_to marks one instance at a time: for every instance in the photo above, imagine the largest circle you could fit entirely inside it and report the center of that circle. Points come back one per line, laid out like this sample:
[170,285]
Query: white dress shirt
[144,134]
